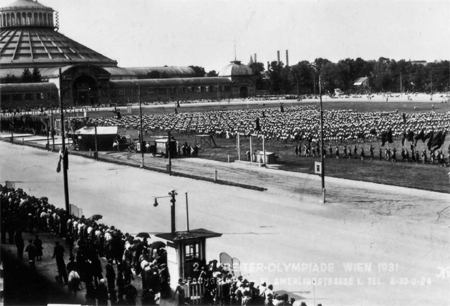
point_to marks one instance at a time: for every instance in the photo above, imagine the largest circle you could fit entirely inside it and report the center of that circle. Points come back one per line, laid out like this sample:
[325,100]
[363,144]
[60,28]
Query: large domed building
[30,38]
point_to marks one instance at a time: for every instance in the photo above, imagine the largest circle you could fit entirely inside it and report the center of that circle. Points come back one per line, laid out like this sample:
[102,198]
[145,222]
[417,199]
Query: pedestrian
[296,150]
[362,153]
[130,294]
[58,253]
[31,250]
[74,282]
[19,244]
[102,293]
[38,245]
[180,291]
[337,152]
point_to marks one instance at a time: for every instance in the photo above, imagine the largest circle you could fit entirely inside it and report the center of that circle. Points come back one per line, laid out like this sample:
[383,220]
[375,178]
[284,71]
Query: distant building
[423,63]
[361,84]
[30,39]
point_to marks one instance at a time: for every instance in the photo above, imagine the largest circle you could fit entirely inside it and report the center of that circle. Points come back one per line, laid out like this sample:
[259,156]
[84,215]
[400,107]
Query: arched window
[13,20]
[23,19]
[40,18]
[35,19]
[29,19]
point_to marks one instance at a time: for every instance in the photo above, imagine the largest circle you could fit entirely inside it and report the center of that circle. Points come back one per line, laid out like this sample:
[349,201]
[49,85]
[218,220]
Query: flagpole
[65,159]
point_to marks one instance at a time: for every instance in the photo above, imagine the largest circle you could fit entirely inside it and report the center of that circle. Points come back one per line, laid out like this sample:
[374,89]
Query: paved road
[279,234]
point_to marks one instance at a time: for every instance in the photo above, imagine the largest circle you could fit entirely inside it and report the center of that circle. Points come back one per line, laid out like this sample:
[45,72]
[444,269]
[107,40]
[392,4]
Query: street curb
[174,173]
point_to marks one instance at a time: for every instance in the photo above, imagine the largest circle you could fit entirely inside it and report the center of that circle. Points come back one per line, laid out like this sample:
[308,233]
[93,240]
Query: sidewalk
[26,286]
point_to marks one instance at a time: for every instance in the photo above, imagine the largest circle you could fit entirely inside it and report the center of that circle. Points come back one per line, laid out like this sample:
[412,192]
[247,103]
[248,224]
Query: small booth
[105,135]
[271,158]
[185,250]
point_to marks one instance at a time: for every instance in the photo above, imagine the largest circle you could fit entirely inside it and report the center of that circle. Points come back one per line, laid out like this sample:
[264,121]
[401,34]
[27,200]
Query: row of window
[166,91]
[30,96]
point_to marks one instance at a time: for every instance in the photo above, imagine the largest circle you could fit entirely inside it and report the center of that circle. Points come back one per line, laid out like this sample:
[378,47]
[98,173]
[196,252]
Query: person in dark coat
[58,253]
[19,244]
[31,250]
[130,294]
[38,245]
[102,293]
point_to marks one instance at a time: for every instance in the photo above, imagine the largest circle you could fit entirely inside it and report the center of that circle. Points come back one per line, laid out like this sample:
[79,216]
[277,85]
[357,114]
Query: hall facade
[30,38]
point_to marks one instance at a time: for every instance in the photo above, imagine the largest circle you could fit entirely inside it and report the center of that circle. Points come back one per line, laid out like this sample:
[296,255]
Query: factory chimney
[278,53]
[287,58]
[255,58]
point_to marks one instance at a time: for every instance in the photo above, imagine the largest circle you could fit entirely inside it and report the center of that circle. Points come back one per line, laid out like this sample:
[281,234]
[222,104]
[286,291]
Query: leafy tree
[199,71]
[275,76]
[10,79]
[36,75]
[27,77]
[301,76]
[155,74]
[258,72]
[212,73]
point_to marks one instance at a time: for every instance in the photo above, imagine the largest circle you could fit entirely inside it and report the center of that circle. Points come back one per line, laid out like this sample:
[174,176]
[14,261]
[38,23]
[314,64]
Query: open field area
[406,174]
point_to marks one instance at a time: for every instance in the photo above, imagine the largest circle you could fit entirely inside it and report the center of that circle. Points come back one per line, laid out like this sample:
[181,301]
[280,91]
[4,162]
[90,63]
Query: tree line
[384,75]
[26,77]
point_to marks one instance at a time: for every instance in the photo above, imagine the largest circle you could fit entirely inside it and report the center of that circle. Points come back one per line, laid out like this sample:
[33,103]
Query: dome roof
[28,39]
[44,47]
[235,68]
[25,4]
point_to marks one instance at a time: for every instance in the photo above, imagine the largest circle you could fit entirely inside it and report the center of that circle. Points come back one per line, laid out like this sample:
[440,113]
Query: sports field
[406,174]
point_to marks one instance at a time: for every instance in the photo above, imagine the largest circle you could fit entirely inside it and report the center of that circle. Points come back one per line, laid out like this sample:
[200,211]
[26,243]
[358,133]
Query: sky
[140,33]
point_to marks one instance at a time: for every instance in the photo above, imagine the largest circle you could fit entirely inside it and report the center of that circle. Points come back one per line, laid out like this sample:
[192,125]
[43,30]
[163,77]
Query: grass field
[406,174]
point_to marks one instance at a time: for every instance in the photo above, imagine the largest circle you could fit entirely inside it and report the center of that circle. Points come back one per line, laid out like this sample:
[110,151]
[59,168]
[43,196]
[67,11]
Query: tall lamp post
[322,157]
[171,195]
[47,146]
[141,137]
[65,161]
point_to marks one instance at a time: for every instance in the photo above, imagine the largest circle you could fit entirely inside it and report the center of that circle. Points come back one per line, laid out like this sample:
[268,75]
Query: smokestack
[287,58]
[255,59]
[278,52]
[268,65]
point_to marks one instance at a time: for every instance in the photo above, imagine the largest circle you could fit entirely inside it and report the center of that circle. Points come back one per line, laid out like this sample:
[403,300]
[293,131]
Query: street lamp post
[47,146]
[66,184]
[141,137]
[53,132]
[322,157]
[96,146]
[171,195]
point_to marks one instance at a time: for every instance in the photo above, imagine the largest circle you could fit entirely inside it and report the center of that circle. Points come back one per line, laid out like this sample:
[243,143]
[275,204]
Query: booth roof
[101,130]
[192,234]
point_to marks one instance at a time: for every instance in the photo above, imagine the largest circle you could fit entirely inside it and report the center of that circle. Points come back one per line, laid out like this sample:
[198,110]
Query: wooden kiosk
[184,251]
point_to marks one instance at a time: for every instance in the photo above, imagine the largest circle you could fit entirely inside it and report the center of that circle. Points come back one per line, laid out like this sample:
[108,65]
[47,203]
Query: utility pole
[53,131]
[322,157]
[187,212]
[141,139]
[65,160]
[400,83]
[168,152]
[172,193]
[96,147]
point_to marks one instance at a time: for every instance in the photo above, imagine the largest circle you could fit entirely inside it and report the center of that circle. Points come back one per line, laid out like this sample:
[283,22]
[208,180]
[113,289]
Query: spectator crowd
[128,258]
